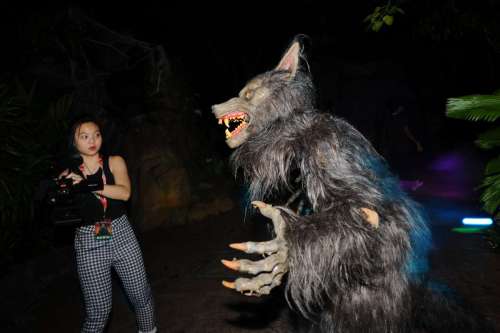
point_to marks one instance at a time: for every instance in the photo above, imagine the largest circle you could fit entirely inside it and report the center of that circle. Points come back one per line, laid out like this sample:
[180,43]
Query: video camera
[63,201]
[63,197]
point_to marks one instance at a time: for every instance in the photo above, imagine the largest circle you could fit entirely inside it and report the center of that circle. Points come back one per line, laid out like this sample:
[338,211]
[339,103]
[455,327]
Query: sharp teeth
[220,121]
[226,121]
[228,134]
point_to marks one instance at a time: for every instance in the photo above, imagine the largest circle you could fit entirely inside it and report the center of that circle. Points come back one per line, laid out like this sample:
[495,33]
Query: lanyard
[102,199]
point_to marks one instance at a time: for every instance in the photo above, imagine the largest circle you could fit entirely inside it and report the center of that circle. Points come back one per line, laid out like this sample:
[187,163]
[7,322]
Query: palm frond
[491,194]
[489,139]
[493,167]
[474,107]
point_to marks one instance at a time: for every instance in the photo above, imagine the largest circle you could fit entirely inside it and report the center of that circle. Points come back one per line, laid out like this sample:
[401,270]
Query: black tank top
[91,208]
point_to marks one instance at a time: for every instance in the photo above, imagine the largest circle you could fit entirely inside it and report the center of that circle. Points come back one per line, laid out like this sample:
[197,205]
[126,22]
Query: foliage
[28,135]
[67,51]
[382,15]
[474,107]
[485,108]
[442,21]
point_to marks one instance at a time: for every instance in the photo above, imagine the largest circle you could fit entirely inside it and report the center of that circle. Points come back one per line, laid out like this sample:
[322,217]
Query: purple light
[448,162]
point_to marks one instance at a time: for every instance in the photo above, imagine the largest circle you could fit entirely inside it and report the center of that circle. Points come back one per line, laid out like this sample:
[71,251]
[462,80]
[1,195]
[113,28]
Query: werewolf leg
[271,269]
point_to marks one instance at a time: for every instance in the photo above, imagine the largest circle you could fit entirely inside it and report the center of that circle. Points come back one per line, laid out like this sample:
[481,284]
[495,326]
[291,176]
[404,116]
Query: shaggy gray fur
[344,274]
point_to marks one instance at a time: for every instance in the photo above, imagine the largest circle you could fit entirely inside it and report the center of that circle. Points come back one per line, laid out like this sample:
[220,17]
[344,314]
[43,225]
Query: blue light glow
[477,221]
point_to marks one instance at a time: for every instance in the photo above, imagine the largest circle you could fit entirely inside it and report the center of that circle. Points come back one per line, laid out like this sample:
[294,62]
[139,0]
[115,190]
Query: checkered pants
[95,258]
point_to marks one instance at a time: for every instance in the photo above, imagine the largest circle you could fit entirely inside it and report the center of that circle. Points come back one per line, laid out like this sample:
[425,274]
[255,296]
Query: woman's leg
[94,272]
[129,265]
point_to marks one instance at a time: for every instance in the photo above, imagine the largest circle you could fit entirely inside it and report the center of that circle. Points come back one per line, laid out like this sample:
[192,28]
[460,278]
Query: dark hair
[74,125]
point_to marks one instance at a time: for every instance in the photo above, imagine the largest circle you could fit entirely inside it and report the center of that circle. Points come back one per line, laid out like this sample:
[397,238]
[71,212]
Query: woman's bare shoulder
[117,162]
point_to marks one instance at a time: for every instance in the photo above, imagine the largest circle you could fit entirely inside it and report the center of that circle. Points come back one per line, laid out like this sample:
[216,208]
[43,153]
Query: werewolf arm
[269,271]
[330,253]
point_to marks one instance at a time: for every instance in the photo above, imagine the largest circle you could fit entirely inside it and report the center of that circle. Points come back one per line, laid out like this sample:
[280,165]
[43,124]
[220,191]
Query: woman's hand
[63,174]
[71,175]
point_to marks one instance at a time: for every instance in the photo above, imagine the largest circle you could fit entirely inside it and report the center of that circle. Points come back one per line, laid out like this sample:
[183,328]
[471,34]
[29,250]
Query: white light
[477,221]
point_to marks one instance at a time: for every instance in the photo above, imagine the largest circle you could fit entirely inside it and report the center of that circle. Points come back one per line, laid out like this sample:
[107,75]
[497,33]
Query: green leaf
[395,9]
[474,107]
[489,139]
[368,18]
[11,151]
[493,167]
[388,19]
[490,181]
[377,26]
[6,188]
[491,198]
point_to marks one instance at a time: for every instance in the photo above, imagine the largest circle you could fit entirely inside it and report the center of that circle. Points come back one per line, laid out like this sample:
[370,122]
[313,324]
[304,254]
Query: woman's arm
[121,189]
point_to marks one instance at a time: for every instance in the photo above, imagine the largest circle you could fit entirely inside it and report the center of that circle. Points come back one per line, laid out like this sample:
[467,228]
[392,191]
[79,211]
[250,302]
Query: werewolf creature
[353,264]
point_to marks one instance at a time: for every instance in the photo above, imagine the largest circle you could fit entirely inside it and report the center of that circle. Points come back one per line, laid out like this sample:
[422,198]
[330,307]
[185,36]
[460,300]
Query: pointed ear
[290,61]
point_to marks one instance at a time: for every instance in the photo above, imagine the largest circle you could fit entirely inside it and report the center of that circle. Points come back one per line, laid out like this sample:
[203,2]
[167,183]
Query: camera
[62,198]
[61,191]
[66,198]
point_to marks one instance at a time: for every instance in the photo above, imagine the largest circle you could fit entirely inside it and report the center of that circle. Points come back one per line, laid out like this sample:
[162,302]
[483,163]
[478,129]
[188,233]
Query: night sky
[221,46]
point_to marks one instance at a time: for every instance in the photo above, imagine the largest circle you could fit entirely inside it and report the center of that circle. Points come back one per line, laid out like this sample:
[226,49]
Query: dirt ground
[184,268]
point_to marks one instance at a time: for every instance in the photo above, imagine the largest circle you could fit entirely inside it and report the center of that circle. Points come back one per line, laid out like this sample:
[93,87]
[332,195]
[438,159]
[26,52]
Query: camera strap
[102,199]
[103,228]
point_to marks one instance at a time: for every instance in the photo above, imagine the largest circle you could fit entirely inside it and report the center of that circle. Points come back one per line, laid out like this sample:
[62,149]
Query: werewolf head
[266,98]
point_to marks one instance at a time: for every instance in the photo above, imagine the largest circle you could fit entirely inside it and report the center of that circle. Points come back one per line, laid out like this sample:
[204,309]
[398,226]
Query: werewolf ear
[290,61]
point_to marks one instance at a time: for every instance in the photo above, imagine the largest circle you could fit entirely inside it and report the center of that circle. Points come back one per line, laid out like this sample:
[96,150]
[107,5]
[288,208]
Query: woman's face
[88,139]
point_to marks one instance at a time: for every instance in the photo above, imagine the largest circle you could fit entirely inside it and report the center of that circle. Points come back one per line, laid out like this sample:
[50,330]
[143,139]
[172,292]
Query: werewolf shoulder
[335,161]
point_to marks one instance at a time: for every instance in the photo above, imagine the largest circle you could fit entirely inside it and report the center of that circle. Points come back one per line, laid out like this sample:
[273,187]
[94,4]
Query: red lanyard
[102,199]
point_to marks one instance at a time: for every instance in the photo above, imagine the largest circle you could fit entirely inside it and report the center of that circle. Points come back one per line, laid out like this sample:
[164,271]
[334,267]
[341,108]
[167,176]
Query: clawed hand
[270,270]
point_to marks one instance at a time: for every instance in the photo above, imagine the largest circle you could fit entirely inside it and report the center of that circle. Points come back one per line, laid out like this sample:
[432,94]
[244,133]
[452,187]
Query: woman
[106,239]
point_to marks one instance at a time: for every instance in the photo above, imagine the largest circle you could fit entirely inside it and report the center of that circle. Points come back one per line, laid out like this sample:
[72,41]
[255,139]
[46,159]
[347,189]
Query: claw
[270,270]
[259,204]
[234,265]
[272,213]
[230,285]
[239,246]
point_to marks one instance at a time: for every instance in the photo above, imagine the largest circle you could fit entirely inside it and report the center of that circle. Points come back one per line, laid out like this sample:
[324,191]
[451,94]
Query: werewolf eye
[249,94]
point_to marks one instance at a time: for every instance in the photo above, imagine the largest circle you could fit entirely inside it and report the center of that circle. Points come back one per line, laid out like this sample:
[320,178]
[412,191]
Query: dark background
[100,55]
[436,50]
[445,48]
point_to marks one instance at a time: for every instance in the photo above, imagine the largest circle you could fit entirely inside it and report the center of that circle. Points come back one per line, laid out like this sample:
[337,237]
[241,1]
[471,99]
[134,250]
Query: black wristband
[91,184]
